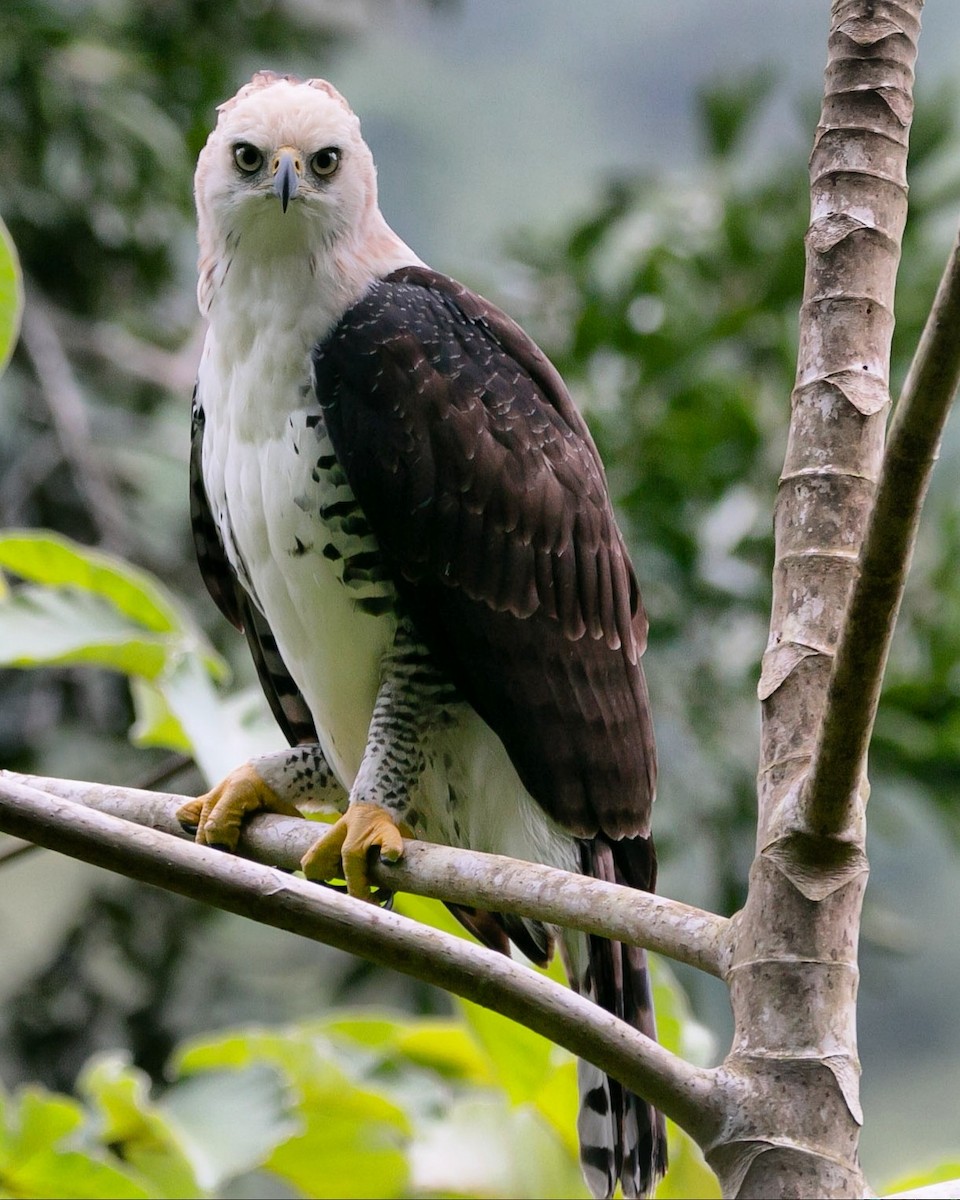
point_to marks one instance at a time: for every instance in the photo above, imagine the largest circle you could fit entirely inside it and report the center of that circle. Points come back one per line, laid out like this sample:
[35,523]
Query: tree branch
[68,412]
[490,881]
[912,450]
[173,370]
[689,1095]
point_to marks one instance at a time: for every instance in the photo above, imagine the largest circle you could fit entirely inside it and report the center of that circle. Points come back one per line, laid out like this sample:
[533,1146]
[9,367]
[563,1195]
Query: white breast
[266,500]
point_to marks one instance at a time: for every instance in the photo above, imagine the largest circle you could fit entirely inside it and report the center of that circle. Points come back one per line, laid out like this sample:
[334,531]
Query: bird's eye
[325,162]
[248,158]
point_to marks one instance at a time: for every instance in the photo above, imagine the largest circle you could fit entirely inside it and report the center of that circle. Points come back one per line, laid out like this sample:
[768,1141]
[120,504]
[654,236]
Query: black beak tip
[286,183]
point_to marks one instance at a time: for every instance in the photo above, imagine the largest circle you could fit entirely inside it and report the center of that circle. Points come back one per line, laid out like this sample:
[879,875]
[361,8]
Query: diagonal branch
[68,412]
[683,933]
[912,451]
[687,1094]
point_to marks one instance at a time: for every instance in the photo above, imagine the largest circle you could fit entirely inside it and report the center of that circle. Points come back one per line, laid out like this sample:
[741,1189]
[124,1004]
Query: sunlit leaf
[128,1119]
[48,558]
[353,1145]
[430,912]
[677,1028]
[558,1101]
[155,724]
[229,1121]
[944,1172]
[444,1046]
[522,1060]
[43,1119]
[11,296]
[39,1155]
[217,738]
[46,627]
[354,1137]
[482,1146]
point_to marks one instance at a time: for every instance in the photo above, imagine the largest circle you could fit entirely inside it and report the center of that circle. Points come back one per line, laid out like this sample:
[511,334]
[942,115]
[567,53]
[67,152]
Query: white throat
[292,275]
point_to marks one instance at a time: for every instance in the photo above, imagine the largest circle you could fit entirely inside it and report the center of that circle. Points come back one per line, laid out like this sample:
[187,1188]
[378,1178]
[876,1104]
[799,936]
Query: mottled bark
[793,981]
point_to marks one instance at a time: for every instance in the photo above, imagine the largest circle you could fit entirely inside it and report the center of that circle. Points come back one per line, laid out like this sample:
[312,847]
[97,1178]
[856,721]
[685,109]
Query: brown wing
[482,484]
[286,703]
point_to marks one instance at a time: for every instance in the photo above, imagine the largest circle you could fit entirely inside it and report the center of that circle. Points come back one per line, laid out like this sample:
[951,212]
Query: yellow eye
[325,162]
[248,158]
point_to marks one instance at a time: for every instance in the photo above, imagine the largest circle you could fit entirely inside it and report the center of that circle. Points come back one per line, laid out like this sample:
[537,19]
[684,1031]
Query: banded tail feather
[622,1136]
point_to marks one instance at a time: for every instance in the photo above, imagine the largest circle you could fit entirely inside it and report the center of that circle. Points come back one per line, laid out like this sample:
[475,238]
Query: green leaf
[11,296]
[48,558]
[155,723]
[522,1061]
[482,1146]
[43,1119]
[145,1137]
[217,738]
[353,1140]
[34,1162]
[353,1145]
[558,1102]
[677,1029]
[943,1172]
[430,912]
[43,627]
[443,1046]
[81,606]
[229,1121]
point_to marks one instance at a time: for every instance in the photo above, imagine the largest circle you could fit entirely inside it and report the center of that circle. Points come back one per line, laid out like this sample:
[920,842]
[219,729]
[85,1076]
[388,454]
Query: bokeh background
[626,178]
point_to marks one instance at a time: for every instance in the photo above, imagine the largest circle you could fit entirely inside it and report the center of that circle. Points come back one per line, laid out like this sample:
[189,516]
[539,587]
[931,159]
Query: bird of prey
[395,498]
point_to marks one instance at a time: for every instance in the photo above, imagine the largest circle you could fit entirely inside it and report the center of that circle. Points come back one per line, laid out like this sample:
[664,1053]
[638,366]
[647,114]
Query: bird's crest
[264,79]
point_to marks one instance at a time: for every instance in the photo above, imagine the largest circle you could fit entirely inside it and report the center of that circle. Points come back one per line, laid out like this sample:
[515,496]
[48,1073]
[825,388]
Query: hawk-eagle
[396,500]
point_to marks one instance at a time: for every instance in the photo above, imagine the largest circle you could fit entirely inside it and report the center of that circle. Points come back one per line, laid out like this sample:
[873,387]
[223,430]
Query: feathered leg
[411,695]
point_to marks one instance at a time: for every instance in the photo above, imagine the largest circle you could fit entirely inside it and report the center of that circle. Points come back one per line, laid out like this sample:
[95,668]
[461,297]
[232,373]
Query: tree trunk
[793,980]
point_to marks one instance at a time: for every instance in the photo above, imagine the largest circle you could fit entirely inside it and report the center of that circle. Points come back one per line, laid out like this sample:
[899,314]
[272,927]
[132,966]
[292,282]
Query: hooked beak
[287,171]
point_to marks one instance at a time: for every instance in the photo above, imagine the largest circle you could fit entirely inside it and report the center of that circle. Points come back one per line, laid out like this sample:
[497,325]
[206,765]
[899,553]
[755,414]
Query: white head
[284,173]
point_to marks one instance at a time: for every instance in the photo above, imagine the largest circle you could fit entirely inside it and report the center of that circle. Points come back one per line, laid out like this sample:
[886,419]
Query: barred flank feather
[622,1137]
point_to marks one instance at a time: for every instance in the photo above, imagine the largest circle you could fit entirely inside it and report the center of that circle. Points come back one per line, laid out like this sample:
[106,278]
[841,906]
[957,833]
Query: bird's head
[286,183]
[285,167]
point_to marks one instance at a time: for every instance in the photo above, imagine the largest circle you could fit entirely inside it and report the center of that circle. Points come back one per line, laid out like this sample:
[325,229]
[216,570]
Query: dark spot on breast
[339,508]
[375,606]
[356,527]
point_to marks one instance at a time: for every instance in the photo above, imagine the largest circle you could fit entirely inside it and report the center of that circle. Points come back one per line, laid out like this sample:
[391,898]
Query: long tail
[622,1137]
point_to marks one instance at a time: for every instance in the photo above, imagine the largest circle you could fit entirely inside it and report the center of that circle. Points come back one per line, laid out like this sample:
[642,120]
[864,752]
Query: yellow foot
[362,829]
[218,815]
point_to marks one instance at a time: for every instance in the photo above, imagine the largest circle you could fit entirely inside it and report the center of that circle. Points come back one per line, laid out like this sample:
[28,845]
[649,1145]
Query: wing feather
[483,487]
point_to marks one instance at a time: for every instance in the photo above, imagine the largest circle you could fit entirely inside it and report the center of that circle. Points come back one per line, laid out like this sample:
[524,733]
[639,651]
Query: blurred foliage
[79,606]
[671,308]
[103,107]
[359,1103]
